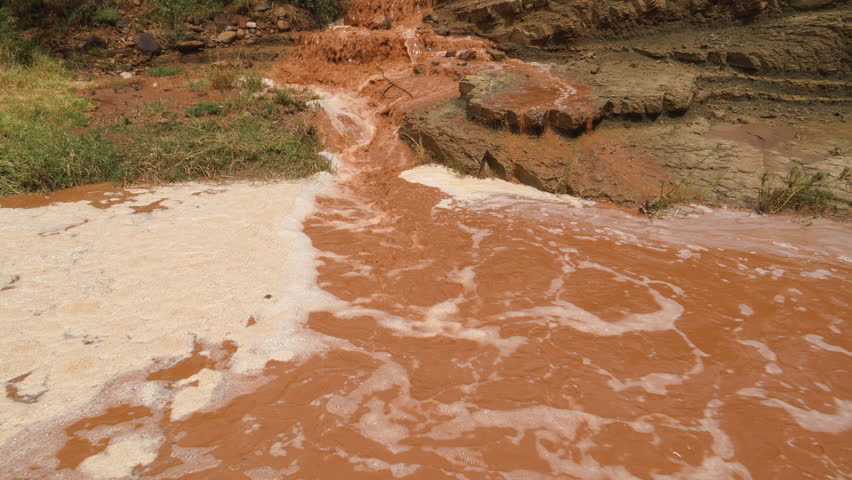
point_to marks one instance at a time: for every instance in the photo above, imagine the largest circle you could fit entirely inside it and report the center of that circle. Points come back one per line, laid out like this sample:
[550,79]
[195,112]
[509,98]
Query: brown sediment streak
[11,284]
[157,205]
[484,335]
[102,195]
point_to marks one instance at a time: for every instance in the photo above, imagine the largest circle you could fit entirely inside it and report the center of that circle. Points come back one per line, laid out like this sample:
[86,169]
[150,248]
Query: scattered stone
[419,69]
[137,2]
[126,75]
[147,43]
[94,42]
[451,53]
[262,6]
[251,24]
[467,55]
[188,46]
[496,55]
[122,23]
[241,34]
[382,22]
[462,64]
[197,28]
[227,37]
[283,25]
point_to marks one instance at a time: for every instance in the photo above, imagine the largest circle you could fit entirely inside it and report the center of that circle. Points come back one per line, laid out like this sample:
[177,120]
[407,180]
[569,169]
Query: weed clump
[104,15]
[801,192]
[205,108]
[165,71]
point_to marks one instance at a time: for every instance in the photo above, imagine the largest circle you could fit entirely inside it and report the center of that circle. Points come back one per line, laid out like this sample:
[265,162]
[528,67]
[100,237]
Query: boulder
[147,43]
[467,55]
[188,46]
[226,37]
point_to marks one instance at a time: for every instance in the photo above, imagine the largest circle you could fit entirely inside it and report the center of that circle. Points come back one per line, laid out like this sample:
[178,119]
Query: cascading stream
[424,325]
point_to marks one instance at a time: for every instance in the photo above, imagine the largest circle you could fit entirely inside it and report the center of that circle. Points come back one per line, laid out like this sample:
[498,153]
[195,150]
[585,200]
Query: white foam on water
[817,341]
[817,421]
[820,274]
[121,456]
[105,298]
[568,314]
[470,190]
[762,348]
[193,398]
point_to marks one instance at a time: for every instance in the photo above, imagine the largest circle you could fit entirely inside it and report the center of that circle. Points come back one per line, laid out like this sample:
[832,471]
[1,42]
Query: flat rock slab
[529,99]
[550,162]
[634,86]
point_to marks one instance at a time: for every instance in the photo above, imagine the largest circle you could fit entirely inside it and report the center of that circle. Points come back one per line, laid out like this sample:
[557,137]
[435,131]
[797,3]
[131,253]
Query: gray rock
[94,42]
[147,43]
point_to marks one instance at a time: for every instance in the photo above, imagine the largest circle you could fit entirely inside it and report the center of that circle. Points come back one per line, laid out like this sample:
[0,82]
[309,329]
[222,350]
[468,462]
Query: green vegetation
[175,12]
[246,145]
[296,99]
[205,108]
[49,141]
[325,11]
[670,195]
[164,71]
[38,151]
[104,16]
[13,49]
[801,192]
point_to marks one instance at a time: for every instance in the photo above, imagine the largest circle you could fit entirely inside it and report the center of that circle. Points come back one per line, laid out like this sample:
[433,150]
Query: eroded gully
[472,329]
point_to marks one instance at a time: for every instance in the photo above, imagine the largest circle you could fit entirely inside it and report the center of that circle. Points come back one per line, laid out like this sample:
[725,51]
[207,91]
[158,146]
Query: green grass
[48,141]
[671,194]
[163,71]
[295,99]
[801,192]
[205,108]
[174,12]
[244,146]
[39,152]
[104,16]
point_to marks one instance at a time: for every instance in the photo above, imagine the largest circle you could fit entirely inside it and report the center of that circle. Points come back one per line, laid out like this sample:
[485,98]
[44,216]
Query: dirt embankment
[706,96]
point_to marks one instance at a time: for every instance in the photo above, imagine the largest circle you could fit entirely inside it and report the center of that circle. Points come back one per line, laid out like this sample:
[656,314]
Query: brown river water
[399,321]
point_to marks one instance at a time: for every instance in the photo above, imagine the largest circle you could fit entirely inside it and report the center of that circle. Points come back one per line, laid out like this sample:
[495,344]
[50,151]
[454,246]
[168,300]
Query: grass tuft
[205,108]
[104,16]
[801,192]
[163,71]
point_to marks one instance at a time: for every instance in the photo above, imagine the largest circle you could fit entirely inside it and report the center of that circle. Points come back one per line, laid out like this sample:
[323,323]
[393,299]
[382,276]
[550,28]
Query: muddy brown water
[485,332]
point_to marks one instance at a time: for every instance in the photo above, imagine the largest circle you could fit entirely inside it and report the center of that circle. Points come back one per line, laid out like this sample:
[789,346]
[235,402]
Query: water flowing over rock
[400,320]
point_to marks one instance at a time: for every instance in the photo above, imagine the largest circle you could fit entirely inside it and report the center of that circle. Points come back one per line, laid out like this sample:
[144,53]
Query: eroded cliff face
[543,22]
[709,94]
